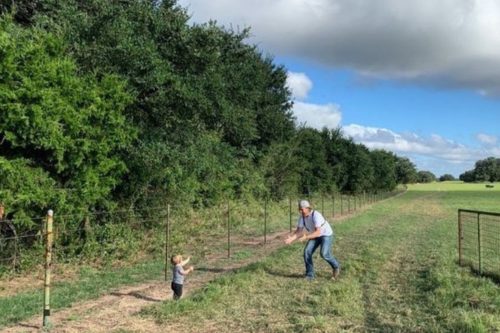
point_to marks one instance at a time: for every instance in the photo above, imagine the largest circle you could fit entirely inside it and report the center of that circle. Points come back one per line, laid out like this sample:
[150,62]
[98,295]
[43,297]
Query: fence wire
[207,231]
[479,241]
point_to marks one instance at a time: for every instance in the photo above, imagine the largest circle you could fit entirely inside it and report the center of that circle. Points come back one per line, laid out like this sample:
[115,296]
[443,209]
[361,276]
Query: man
[318,233]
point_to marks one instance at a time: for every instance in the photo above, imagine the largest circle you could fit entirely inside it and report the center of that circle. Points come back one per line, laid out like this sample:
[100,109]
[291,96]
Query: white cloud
[454,43]
[410,143]
[487,139]
[299,84]
[447,43]
[433,153]
[317,116]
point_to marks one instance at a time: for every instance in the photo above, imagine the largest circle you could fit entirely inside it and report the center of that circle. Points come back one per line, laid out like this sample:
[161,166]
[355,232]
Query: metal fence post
[479,243]
[333,205]
[228,231]
[290,212]
[167,241]
[48,268]
[460,237]
[265,221]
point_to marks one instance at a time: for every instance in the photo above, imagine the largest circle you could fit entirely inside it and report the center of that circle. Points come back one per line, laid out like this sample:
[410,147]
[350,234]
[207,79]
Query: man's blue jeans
[325,243]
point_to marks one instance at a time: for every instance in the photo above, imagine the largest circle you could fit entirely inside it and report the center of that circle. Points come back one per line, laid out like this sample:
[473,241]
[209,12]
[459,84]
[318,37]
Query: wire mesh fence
[233,230]
[120,233]
[479,241]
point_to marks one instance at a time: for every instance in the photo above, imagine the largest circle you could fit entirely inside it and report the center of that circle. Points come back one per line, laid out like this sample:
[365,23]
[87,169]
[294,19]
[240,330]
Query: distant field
[454,186]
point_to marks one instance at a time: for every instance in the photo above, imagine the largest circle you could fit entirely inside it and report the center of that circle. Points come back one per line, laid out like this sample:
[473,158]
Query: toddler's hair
[176,259]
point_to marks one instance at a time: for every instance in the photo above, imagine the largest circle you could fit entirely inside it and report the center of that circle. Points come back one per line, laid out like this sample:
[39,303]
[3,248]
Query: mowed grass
[399,274]
[455,186]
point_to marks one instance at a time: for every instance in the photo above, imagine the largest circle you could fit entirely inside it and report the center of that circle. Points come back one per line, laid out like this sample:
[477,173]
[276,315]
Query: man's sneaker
[309,278]
[336,273]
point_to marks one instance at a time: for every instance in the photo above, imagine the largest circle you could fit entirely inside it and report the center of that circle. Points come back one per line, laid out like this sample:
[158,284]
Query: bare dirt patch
[117,310]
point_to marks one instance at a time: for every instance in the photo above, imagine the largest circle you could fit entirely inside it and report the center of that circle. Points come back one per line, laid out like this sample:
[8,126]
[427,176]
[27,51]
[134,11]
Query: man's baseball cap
[304,204]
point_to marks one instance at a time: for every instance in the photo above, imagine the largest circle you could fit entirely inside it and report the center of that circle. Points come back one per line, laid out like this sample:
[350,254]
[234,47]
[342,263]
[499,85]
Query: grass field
[399,275]
[455,186]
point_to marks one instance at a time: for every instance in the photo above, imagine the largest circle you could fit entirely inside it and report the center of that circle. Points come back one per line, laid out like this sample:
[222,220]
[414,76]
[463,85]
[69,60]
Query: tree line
[107,104]
[487,170]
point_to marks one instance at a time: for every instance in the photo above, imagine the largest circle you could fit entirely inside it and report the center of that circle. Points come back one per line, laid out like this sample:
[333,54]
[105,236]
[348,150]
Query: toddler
[178,274]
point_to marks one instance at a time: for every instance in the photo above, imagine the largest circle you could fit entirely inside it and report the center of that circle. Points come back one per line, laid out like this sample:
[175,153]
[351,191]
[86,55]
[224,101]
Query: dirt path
[116,311]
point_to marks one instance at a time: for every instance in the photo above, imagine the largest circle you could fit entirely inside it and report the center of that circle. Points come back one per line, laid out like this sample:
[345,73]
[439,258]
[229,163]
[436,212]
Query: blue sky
[419,78]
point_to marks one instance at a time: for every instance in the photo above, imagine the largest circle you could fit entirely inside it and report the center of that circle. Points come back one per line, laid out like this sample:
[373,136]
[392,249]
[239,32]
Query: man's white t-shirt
[313,221]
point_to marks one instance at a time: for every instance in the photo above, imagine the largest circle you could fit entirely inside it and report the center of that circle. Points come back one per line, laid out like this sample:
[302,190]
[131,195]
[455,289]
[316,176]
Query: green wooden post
[48,267]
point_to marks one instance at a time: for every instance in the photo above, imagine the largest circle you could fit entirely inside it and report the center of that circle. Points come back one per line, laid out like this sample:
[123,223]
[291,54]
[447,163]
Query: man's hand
[303,238]
[290,239]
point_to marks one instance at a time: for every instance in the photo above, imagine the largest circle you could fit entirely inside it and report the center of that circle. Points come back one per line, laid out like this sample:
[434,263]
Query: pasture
[399,274]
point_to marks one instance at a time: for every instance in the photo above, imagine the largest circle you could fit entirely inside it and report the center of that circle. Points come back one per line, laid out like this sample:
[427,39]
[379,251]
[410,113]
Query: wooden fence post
[48,268]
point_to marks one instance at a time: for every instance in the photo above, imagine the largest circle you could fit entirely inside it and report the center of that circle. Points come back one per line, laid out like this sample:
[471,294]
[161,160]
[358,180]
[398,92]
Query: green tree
[337,154]
[406,172]
[281,169]
[384,170]
[361,172]
[487,169]
[446,177]
[190,81]
[314,172]
[468,176]
[22,11]
[70,126]
[426,177]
